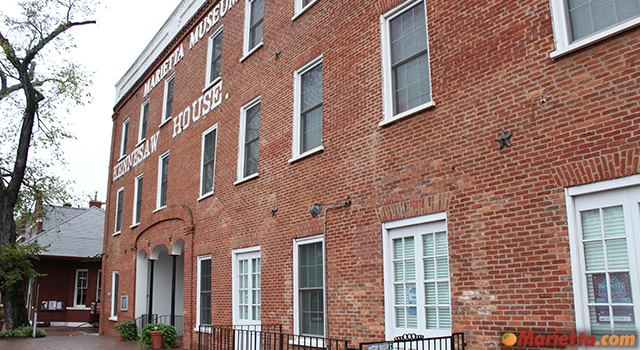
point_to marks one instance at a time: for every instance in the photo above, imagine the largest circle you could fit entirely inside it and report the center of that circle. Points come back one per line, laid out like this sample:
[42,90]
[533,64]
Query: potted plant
[168,336]
[127,330]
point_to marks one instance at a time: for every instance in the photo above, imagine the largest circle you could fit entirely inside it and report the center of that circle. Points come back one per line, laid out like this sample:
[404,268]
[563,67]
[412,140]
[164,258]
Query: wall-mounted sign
[210,21]
[124,303]
[139,154]
[163,70]
[620,294]
[198,109]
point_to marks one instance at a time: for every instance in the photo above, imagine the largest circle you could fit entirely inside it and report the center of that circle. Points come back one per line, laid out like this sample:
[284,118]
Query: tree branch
[31,53]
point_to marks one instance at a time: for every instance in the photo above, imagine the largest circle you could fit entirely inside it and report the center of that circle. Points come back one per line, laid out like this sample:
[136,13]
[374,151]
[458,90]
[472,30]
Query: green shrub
[127,329]
[23,332]
[169,334]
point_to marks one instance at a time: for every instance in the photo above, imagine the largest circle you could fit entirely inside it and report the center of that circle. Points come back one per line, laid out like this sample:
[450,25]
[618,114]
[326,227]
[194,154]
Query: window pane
[613,222]
[410,91]
[591,227]
[216,54]
[312,310]
[169,103]
[311,265]
[139,200]
[252,132]
[205,291]
[591,16]
[617,256]
[119,212]
[143,124]
[165,179]
[208,161]
[312,87]
[408,33]
[594,255]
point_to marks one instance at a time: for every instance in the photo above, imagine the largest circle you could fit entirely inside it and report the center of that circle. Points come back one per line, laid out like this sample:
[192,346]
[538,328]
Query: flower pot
[120,337]
[156,339]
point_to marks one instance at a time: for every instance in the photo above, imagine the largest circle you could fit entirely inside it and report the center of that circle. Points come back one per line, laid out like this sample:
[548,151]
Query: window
[247,286]
[301,6]
[254,17]
[209,139]
[405,61]
[119,198]
[249,137]
[604,229]
[578,23]
[309,296]
[163,178]
[80,297]
[307,122]
[144,115]
[416,277]
[204,290]
[137,203]
[214,57]
[114,295]
[168,98]
[99,286]
[125,136]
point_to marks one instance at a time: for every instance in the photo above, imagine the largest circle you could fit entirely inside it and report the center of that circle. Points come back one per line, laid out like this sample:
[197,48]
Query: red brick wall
[575,120]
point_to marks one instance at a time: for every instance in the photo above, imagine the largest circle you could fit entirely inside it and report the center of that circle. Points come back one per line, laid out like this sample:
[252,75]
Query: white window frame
[387,247]
[119,211]
[297,123]
[124,138]
[246,50]
[562,29]
[241,140]
[213,185]
[236,255]
[114,296]
[577,263]
[209,82]
[160,171]
[135,200]
[387,73]
[165,116]
[200,258]
[99,286]
[141,138]
[299,9]
[297,324]
[86,289]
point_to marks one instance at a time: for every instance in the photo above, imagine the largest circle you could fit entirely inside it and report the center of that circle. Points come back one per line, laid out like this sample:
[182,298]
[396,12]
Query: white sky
[109,48]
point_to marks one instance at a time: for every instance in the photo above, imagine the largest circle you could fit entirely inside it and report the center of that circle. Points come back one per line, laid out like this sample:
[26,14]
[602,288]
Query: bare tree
[35,81]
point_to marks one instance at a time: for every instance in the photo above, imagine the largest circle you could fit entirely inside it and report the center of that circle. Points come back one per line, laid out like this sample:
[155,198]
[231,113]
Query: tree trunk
[15,309]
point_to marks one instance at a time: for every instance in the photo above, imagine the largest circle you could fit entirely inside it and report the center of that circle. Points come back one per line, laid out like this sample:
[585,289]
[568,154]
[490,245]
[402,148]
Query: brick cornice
[431,204]
[605,167]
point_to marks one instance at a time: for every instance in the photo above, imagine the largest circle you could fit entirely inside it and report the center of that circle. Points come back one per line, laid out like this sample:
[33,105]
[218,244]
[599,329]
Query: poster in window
[52,305]
[44,304]
[620,294]
[124,302]
[58,305]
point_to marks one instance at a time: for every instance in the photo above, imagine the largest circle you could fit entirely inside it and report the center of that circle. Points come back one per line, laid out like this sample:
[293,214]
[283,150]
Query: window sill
[246,178]
[158,209]
[211,84]
[592,39]
[308,341]
[113,318]
[254,49]
[306,154]
[209,194]
[116,233]
[83,308]
[165,122]
[407,114]
[197,330]
[135,225]
[304,9]
[141,141]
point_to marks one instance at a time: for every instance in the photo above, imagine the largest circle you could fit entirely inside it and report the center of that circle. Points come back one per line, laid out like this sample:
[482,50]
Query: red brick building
[480,162]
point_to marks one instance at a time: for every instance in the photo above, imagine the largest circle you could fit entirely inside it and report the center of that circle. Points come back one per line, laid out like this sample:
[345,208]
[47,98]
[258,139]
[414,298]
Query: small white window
[578,23]
[308,282]
[144,116]
[416,277]
[214,57]
[253,25]
[405,61]
[307,109]
[249,140]
[167,108]
[163,179]
[246,286]
[125,136]
[99,286]
[80,297]
[301,6]
[207,170]
[203,316]
[115,276]
[119,200]
[137,202]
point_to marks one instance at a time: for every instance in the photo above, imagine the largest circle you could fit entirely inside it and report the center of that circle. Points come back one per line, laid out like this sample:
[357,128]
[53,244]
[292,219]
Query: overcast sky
[124,29]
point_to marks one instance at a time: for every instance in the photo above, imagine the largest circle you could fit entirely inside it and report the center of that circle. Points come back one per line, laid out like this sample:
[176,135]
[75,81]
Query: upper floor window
[137,203]
[214,57]
[578,23]
[249,139]
[119,198]
[125,136]
[209,139]
[168,98]
[254,18]
[163,179]
[307,122]
[144,116]
[405,60]
[302,5]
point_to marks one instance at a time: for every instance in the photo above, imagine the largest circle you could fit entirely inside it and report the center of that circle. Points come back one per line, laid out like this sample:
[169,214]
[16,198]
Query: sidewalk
[69,339]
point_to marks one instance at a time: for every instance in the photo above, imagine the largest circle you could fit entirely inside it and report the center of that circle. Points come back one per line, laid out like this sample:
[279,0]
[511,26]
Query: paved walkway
[69,339]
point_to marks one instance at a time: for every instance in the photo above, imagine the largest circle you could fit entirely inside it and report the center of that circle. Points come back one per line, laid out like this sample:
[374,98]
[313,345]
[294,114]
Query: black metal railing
[261,337]
[177,322]
[454,341]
